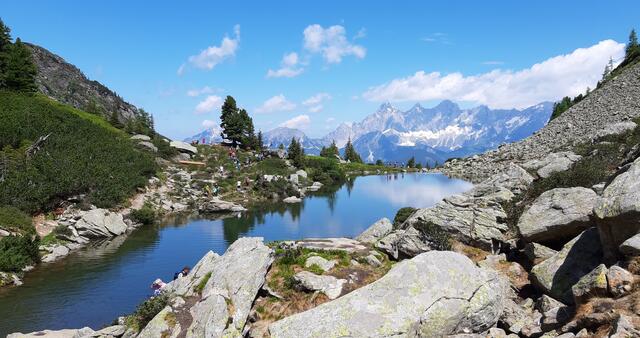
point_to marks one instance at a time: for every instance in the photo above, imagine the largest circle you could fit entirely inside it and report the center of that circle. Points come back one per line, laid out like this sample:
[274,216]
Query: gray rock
[183,147]
[538,252]
[315,186]
[57,252]
[616,129]
[148,145]
[372,260]
[340,244]
[441,293]
[631,246]
[214,205]
[329,285]
[624,328]
[546,303]
[556,275]
[376,231]
[552,163]
[558,214]
[389,243]
[301,173]
[236,277]
[620,281]
[495,332]
[293,178]
[184,285]
[618,211]
[556,317]
[66,333]
[164,324]
[292,199]
[100,223]
[110,331]
[322,263]
[141,137]
[519,318]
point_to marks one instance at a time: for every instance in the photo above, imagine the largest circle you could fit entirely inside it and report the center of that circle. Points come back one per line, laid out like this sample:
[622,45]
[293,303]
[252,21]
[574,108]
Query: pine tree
[412,162]
[20,71]
[295,153]
[248,135]
[229,120]
[350,153]
[333,149]
[5,44]
[632,46]
[260,142]
[323,152]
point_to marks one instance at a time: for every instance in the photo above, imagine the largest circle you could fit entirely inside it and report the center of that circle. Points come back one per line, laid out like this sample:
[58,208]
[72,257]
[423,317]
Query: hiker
[181,273]
[158,286]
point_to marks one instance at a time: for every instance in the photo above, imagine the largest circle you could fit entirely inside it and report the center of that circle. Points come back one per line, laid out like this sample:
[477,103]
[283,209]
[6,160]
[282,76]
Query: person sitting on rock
[158,286]
[181,273]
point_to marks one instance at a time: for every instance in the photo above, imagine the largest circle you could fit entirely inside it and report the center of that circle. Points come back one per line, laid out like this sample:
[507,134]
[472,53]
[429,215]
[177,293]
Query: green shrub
[147,310]
[145,215]
[13,218]
[203,282]
[272,166]
[324,170]
[438,238]
[83,154]
[16,252]
[402,216]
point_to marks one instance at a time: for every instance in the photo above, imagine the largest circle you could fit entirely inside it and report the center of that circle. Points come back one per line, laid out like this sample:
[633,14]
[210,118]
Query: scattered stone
[442,293]
[141,137]
[556,317]
[376,231]
[495,332]
[546,303]
[340,244]
[556,275]
[372,260]
[631,247]
[292,199]
[624,328]
[620,281]
[329,285]
[293,178]
[322,263]
[552,163]
[558,214]
[538,252]
[215,205]
[183,147]
[301,173]
[590,285]
[315,186]
[148,145]
[617,211]
[55,253]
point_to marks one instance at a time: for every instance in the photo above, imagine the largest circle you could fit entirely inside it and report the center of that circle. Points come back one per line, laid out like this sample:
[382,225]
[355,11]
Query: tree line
[17,69]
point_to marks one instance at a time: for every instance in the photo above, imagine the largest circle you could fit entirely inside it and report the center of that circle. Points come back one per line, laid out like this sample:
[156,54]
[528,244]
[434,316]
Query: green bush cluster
[16,252]
[272,166]
[146,311]
[402,216]
[83,154]
[324,170]
[145,215]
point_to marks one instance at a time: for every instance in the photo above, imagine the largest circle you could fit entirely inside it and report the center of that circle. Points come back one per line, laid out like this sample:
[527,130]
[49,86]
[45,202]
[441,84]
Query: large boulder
[183,147]
[65,333]
[99,223]
[164,324]
[558,214]
[553,163]
[185,285]
[329,285]
[618,211]
[215,205]
[631,246]
[376,231]
[431,295]
[618,128]
[236,278]
[593,284]
[556,275]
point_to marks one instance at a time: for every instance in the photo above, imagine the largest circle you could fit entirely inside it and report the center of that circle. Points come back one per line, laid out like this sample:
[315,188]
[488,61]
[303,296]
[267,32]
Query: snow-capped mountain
[429,134]
[212,135]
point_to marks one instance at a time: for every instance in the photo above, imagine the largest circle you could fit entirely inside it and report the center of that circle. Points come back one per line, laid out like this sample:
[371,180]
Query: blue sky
[354,54]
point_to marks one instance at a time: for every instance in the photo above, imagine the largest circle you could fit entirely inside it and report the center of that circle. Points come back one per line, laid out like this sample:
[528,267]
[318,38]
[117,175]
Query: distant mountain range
[430,134]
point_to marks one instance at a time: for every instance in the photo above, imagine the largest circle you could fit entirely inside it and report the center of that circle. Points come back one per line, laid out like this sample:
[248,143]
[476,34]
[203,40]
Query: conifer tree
[412,162]
[632,46]
[5,44]
[350,153]
[295,153]
[260,142]
[19,69]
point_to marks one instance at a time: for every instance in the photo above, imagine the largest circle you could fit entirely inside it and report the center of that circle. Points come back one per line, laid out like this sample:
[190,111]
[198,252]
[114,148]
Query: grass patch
[203,282]
[145,215]
[315,269]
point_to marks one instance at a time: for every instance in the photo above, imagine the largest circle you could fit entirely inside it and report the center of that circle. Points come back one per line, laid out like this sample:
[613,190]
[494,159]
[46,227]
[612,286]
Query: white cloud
[564,75]
[201,91]
[277,103]
[213,55]
[209,124]
[288,67]
[361,34]
[314,103]
[298,122]
[211,103]
[331,42]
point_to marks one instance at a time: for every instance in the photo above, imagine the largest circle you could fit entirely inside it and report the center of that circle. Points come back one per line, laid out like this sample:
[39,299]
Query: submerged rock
[558,214]
[215,204]
[433,294]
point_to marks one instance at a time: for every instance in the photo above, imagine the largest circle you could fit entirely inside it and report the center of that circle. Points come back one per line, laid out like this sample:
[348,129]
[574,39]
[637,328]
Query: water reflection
[93,286]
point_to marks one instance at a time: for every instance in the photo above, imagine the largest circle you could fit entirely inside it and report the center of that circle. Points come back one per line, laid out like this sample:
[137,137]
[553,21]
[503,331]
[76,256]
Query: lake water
[93,286]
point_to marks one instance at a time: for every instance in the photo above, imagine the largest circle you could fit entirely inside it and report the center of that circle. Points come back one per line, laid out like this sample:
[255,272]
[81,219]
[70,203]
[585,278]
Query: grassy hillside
[83,154]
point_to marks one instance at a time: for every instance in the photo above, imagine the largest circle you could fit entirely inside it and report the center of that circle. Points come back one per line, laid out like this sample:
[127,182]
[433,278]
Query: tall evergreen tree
[350,153]
[5,44]
[20,71]
[632,49]
[412,162]
[295,153]
[260,141]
